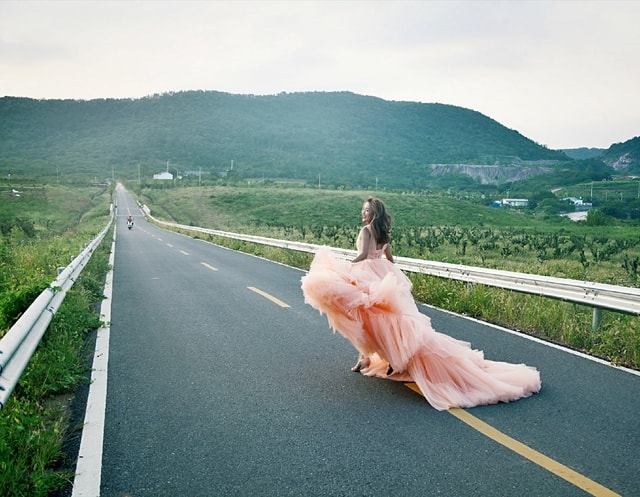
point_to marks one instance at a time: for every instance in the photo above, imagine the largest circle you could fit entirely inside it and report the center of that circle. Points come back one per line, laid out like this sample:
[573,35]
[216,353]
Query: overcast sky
[564,73]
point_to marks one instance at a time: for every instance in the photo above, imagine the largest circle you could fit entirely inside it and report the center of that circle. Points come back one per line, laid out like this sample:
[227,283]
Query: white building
[515,202]
[578,203]
[163,176]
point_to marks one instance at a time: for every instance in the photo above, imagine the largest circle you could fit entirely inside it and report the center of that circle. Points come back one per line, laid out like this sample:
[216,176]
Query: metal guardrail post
[595,321]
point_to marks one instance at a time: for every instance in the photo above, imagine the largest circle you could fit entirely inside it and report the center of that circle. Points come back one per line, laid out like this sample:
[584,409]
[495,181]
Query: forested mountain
[338,138]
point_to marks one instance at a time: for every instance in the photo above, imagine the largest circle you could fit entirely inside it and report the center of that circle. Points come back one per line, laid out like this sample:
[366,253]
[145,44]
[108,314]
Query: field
[429,226]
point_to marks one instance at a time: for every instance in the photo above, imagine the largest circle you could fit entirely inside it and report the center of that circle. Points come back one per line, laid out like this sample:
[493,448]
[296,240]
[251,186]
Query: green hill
[338,138]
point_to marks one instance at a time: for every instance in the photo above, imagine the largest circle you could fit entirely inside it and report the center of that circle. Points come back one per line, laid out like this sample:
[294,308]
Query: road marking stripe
[209,266]
[169,245]
[573,477]
[183,252]
[267,296]
[88,473]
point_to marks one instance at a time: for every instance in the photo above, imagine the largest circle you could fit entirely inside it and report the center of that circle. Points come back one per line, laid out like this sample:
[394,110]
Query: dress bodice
[374,252]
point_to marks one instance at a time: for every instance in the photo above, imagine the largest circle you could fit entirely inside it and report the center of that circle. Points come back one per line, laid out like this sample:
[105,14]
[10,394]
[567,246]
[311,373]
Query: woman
[369,301]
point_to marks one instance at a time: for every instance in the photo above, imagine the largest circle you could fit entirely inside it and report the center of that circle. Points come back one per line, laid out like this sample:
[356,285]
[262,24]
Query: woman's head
[374,213]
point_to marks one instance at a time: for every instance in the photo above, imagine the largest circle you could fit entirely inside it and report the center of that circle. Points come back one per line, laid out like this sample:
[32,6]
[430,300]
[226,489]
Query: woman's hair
[381,222]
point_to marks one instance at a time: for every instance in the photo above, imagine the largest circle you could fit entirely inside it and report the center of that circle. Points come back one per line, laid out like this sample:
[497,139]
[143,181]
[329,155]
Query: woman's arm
[387,252]
[366,238]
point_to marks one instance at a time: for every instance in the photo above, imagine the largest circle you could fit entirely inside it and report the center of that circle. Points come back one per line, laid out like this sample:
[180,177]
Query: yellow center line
[267,296]
[573,477]
[209,266]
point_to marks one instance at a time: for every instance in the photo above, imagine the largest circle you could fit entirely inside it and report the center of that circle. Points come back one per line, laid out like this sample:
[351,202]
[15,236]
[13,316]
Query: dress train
[370,303]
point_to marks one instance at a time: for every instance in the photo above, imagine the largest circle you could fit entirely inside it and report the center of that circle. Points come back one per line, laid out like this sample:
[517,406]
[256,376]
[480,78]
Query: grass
[34,423]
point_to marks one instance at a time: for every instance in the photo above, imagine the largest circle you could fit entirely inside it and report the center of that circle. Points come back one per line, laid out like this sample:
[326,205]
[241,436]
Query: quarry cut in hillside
[488,174]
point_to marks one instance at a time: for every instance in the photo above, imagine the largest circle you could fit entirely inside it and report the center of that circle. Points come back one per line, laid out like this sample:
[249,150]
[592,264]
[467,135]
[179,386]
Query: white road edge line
[89,466]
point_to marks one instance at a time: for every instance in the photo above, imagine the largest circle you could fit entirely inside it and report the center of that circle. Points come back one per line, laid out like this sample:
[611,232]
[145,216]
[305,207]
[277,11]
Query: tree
[595,217]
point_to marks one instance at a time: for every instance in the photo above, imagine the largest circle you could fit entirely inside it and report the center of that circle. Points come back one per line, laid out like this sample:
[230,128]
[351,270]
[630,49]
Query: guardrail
[20,342]
[596,295]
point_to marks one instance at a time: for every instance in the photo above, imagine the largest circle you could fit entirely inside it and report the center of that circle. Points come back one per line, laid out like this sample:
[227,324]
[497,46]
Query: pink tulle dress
[370,303]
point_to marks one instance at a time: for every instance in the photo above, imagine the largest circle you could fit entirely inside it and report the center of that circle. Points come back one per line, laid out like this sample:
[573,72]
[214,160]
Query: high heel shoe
[363,362]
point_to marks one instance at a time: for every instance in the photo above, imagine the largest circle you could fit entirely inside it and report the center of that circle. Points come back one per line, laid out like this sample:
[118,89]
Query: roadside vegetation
[41,229]
[442,227]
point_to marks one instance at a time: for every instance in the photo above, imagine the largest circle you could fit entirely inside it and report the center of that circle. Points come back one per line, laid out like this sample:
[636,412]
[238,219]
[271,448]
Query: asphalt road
[214,389]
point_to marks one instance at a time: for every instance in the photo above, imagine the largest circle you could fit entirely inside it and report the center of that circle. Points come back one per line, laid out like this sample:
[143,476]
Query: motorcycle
[129,224]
